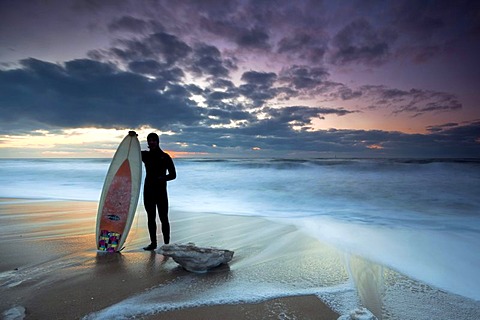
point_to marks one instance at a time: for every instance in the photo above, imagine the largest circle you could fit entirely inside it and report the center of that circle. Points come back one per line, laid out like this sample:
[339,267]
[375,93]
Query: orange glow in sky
[82,142]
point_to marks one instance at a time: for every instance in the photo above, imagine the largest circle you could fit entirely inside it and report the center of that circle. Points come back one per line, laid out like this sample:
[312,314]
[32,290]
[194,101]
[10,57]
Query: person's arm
[172,173]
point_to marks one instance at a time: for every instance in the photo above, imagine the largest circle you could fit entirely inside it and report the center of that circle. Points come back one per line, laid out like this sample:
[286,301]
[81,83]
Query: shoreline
[51,267]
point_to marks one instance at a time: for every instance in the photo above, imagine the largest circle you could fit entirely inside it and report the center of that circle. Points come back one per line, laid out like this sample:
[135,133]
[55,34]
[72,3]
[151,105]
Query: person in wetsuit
[160,169]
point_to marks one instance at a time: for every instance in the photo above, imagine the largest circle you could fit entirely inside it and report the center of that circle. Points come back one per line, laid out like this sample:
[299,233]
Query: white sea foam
[194,293]
[15,313]
[444,259]
[359,314]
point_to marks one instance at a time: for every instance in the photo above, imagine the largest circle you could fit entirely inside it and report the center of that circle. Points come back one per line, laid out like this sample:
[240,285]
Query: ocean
[415,218]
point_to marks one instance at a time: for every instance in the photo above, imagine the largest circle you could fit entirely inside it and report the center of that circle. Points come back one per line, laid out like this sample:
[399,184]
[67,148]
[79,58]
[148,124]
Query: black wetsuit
[157,164]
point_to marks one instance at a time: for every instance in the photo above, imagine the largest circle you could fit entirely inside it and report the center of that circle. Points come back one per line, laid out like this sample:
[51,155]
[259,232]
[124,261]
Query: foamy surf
[190,292]
[15,313]
[442,259]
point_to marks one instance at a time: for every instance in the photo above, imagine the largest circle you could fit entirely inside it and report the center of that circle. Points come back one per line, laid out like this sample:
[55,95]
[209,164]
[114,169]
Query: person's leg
[150,208]
[163,214]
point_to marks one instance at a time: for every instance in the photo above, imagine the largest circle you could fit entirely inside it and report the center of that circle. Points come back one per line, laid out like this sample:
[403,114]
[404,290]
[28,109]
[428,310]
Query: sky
[253,78]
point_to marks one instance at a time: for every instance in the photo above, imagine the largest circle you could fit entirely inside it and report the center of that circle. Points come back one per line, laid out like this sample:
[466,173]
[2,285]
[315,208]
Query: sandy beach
[50,267]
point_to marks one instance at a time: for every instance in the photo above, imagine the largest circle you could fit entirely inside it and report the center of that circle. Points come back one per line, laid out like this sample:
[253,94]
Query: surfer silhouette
[160,169]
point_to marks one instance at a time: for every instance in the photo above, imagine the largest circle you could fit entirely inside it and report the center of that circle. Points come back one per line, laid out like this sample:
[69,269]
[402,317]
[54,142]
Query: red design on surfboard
[117,203]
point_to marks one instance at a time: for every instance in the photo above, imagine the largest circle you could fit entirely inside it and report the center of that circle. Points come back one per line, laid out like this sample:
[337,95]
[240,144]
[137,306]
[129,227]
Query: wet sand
[50,267]
[301,307]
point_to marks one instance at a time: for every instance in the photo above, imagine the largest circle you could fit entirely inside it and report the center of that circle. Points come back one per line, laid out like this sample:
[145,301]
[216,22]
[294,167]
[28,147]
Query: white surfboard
[119,199]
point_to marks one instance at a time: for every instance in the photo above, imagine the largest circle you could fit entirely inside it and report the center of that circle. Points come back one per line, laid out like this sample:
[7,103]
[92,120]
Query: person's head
[153,140]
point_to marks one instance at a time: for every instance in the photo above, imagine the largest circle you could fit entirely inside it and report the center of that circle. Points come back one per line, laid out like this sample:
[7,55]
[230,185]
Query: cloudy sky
[241,78]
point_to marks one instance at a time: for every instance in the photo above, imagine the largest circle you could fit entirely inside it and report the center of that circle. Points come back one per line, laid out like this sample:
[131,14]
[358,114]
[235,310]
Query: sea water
[418,217]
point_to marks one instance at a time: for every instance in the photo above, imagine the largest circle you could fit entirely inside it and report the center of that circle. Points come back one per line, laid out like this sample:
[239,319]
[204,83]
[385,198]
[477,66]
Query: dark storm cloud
[447,105]
[375,32]
[304,46]
[360,42]
[248,38]
[414,102]
[346,93]
[461,139]
[152,52]
[170,47]
[208,60]
[272,136]
[423,19]
[162,47]
[435,28]
[312,82]
[279,123]
[90,93]
[441,127]
[241,23]
[258,95]
[253,38]
[129,24]
[222,83]
[135,25]
[301,115]
[258,87]
[225,115]
[214,96]
[148,67]
[163,73]
[303,77]
[291,44]
[468,133]
[259,78]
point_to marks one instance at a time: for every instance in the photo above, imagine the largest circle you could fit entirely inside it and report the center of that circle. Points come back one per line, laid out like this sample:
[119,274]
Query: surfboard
[119,198]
